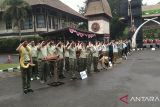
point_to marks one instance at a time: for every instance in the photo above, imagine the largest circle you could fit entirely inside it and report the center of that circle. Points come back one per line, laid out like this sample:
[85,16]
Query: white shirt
[124,45]
[104,49]
[115,48]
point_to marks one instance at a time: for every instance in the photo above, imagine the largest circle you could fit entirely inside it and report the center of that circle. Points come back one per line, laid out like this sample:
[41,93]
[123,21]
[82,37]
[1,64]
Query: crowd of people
[151,43]
[73,58]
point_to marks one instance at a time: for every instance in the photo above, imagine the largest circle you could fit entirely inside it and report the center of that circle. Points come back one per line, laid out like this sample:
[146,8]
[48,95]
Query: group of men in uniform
[74,57]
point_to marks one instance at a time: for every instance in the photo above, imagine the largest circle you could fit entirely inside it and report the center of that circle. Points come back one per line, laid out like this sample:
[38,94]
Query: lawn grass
[6,66]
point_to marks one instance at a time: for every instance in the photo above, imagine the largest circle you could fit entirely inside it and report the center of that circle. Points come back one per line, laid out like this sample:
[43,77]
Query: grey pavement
[137,76]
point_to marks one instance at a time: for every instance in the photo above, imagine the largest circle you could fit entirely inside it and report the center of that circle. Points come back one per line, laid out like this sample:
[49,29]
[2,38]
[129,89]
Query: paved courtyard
[137,76]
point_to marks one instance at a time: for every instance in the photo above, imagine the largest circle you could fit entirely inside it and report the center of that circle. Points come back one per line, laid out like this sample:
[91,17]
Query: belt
[34,57]
[39,59]
[27,61]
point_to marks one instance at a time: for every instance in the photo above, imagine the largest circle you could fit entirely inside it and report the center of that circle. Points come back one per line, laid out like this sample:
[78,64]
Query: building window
[38,10]
[49,22]
[9,24]
[59,23]
[41,21]
[64,23]
[28,23]
[55,22]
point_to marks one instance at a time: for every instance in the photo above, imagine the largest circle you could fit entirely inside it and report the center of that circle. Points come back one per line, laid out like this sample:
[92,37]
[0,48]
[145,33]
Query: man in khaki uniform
[89,57]
[95,57]
[66,57]
[44,64]
[72,61]
[60,53]
[82,58]
[51,50]
[34,73]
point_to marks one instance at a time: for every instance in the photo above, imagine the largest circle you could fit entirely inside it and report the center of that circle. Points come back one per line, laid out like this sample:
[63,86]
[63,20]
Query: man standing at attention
[72,61]
[42,59]
[25,65]
[34,71]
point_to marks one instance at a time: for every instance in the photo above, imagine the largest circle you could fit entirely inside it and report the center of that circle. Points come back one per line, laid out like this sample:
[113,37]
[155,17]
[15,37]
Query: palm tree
[17,10]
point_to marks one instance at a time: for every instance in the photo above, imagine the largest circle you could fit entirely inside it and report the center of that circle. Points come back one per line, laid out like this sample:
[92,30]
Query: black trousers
[26,78]
[34,72]
[67,64]
[111,56]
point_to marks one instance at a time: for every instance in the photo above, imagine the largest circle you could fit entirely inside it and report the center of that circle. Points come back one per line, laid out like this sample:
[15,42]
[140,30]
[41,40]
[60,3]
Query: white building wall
[103,22]
[106,26]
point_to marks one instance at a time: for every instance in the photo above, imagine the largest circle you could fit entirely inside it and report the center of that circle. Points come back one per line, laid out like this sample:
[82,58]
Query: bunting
[80,34]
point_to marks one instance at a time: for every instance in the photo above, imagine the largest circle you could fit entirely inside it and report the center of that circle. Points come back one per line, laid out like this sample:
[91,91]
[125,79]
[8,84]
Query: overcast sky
[76,3]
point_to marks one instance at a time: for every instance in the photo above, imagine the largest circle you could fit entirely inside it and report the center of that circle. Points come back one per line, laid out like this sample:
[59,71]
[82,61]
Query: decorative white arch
[136,32]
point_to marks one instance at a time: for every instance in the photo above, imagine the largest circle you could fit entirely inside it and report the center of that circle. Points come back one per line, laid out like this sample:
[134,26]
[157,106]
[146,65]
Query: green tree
[82,10]
[17,10]
[117,26]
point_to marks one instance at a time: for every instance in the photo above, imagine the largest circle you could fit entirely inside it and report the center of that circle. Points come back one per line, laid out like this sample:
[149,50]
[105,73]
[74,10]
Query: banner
[80,34]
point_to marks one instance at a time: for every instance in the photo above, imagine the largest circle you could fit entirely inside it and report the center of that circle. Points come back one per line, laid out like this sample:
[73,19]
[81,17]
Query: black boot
[25,91]
[30,90]
[62,76]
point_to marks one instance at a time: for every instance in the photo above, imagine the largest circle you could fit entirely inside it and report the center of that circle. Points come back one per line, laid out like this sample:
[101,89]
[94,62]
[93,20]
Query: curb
[11,70]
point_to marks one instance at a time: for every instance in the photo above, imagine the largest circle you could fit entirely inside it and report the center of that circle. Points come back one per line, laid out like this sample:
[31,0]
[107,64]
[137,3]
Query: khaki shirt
[83,53]
[60,51]
[66,53]
[51,50]
[33,51]
[42,53]
[89,50]
[95,51]
[72,52]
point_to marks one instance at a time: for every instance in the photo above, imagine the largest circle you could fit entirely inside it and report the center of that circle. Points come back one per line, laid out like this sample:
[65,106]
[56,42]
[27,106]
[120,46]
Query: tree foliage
[117,27]
[82,10]
[17,10]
